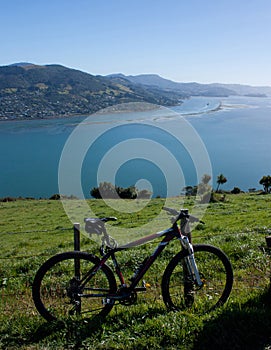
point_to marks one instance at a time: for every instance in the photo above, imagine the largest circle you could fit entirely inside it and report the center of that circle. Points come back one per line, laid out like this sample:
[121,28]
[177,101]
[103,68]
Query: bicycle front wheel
[59,294]
[215,270]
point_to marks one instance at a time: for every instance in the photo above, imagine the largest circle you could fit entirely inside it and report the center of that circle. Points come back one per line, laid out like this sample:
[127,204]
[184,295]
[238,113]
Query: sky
[205,41]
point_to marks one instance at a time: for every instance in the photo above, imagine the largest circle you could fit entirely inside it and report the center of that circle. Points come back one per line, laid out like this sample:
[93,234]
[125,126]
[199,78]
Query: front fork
[190,268]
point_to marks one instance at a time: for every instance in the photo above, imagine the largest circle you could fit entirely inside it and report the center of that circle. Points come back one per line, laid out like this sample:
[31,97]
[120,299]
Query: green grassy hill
[33,230]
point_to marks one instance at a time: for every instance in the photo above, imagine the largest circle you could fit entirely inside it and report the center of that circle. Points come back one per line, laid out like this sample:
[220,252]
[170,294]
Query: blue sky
[227,41]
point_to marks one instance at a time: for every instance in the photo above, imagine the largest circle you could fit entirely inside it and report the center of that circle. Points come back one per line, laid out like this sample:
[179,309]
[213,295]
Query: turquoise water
[235,131]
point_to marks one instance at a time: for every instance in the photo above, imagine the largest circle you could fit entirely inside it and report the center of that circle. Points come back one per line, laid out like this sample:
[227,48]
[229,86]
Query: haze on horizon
[207,42]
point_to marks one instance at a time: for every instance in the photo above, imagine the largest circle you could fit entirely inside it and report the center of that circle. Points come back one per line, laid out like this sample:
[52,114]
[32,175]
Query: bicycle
[79,284]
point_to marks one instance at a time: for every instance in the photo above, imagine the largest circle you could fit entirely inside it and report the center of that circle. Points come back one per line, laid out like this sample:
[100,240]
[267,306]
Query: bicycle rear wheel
[216,274]
[57,291]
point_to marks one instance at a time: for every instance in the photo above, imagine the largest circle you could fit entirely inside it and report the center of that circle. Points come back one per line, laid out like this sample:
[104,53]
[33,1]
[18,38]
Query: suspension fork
[190,267]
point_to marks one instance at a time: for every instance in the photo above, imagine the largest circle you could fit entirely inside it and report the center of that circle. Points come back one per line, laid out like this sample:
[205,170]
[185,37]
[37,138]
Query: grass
[34,230]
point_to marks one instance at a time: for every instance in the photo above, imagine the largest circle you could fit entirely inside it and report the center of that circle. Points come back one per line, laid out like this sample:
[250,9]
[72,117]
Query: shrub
[55,196]
[235,190]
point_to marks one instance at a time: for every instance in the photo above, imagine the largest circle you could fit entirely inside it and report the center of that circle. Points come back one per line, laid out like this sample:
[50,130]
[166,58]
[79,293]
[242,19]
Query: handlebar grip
[171,211]
[193,218]
[109,218]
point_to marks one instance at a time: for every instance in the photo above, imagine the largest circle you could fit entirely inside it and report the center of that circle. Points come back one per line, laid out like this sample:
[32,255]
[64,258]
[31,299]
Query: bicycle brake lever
[171,211]
[195,219]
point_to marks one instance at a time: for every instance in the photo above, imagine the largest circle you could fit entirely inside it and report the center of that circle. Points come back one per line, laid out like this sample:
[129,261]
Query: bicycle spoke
[180,292]
[59,295]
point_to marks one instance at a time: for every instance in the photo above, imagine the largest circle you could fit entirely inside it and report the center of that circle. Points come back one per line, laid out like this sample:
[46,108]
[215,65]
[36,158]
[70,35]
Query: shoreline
[70,116]
[107,110]
[123,109]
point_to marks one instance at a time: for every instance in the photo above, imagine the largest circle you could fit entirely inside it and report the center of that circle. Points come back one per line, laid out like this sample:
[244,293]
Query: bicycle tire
[56,298]
[216,272]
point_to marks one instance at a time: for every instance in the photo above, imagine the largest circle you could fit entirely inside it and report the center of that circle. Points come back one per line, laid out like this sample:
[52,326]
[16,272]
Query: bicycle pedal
[140,289]
[143,288]
[108,301]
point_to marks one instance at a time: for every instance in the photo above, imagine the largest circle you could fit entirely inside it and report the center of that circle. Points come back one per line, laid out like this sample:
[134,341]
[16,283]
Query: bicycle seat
[96,225]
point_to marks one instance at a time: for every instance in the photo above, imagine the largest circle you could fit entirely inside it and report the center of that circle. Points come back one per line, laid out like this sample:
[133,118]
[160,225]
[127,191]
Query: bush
[216,197]
[55,197]
[107,190]
[8,199]
[236,190]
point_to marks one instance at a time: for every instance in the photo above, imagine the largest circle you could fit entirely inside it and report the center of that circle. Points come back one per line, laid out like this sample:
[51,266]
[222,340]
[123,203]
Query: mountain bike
[78,284]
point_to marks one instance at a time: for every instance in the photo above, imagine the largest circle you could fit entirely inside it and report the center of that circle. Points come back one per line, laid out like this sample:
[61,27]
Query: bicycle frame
[169,234]
[79,276]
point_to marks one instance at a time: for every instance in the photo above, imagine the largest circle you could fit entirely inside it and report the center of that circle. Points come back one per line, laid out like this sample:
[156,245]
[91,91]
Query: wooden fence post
[268,243]
[76,236]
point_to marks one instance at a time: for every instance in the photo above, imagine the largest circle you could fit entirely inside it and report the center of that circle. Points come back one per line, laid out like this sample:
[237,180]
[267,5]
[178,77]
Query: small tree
[127,193]
[204,190]
[266,182]
[95,193]
[105,190]
[221,179]
[108,190]
[236,190]
[205,179]
[190,190]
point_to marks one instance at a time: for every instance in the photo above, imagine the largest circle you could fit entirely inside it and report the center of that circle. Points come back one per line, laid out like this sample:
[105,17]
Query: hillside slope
[31,91]
[196,89]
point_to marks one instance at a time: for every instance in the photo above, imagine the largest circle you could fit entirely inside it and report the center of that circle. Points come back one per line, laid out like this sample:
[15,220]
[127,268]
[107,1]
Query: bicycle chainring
[129,299]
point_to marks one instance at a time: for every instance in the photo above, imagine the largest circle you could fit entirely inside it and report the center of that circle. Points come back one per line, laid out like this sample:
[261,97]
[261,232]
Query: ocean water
[162,150]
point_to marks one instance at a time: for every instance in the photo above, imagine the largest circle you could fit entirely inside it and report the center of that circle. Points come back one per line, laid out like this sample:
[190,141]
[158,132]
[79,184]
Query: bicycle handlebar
[97,225]
[183,213]
[171,211]
[109,218]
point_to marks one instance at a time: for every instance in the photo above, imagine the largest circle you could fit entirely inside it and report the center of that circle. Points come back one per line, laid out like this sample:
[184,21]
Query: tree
[236,190]
[108,190]
[221,179]
[204,190]
[266,182]
[95,193]
[127,193]
[205,179]
[190,190]
[105,190]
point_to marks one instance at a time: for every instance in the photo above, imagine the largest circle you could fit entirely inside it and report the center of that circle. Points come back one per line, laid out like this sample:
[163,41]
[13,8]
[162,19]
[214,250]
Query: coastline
[122,108]
[219,107]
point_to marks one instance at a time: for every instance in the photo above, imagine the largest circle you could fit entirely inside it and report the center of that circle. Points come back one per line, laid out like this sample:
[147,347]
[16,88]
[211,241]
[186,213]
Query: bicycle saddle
[96,225]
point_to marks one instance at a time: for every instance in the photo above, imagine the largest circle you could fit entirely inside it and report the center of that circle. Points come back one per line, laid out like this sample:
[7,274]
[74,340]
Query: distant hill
[21,64]
[32,91]
[29,91]
[185,89]
[196,89]
[247,90]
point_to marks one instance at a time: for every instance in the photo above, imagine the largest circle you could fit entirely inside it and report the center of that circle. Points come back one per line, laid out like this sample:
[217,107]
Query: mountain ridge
[156,80]
[30,91]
